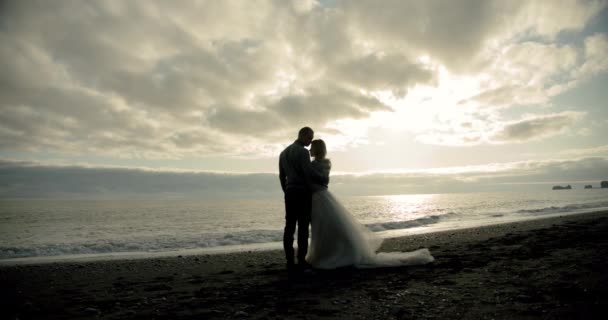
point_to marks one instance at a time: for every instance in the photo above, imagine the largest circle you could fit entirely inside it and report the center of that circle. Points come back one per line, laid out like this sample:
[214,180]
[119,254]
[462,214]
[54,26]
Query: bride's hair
[318,149]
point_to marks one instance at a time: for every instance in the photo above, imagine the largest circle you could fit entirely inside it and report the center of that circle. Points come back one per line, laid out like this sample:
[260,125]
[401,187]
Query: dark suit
[296,176]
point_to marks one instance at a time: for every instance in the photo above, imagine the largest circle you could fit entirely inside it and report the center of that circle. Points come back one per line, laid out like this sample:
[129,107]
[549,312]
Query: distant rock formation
[604,184]
[588,186]
[568,187]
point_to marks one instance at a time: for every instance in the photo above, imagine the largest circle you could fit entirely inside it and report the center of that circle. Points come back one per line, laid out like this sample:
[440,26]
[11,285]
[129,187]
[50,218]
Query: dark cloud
[168,79]
[378,72]
[527,175]
[536,127]
[316,106]
[452,31]
[29,180]
[155,76]
[320,105]
[498,97]
[457,32]
[34,180]
[247,122]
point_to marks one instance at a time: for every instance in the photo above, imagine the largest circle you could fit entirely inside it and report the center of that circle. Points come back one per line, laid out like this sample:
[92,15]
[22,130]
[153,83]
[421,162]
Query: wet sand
[554,268]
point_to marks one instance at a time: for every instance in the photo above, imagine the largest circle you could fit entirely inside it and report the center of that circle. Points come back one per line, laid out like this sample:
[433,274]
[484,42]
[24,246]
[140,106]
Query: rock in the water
[568,187]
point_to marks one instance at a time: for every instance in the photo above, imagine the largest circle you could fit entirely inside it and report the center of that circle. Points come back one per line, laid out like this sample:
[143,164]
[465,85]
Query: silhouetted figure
[338,239]
[296,176]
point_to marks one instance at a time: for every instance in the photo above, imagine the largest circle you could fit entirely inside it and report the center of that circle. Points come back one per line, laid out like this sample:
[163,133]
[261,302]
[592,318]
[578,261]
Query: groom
[296,174]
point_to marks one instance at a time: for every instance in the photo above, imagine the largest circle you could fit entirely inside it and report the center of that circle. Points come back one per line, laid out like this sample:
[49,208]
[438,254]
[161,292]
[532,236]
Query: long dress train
[339,240]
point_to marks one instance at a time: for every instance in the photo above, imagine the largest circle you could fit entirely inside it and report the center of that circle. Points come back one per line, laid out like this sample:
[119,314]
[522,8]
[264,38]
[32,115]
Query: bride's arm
[320,173]
[310,174]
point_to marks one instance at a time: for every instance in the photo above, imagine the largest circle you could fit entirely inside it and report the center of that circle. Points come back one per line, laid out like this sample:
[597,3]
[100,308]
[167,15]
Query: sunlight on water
[406,205]
[59,228]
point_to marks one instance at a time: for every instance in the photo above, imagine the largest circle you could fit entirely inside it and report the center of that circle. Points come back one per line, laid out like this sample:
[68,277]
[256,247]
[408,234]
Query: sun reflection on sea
[407,206]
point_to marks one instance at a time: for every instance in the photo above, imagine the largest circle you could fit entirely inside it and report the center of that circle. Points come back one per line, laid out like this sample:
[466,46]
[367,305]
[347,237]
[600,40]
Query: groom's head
[306,135]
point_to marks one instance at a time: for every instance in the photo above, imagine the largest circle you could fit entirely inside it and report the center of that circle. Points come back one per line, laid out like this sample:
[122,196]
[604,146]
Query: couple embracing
[338,239]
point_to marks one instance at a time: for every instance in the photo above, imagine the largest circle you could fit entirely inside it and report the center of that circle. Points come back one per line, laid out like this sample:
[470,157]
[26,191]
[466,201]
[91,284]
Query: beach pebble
[158,287]
[91,311]
[524,298]
[241,314]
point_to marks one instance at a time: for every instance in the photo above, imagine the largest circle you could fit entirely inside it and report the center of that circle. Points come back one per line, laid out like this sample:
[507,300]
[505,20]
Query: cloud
[525,74]
[167,79]
[34,180]
[383,72]
[456,32]
[595,55]
[38,180]
[231,119]
[523,175]
[452,32]
[599,151]
[321,105]
[536,127]
[151,76]
[479,128]
[539,17]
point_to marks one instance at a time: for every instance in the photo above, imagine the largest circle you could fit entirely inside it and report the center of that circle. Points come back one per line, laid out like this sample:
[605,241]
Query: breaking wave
[566,209]
[177,242]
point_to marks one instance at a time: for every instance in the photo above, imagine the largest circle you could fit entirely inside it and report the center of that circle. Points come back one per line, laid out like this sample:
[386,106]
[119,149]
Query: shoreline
[388,235]
[550,268]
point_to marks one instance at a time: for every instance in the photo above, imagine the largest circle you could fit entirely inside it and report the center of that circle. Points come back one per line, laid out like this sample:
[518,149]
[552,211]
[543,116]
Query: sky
[409,96]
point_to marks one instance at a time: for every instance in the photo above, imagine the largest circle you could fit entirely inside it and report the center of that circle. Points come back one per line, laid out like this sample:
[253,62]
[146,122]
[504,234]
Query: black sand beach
[555,268]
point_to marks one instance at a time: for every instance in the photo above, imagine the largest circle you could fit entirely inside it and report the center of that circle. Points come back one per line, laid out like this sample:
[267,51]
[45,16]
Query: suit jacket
[295,169]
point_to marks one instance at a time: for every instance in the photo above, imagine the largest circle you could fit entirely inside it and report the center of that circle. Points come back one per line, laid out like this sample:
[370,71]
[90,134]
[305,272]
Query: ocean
[51,230]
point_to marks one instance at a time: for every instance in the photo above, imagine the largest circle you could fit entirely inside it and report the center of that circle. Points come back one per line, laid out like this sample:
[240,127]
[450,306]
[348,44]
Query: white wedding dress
[339,240]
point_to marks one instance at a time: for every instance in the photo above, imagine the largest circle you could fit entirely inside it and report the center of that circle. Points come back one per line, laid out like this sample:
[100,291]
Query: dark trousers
[298,204]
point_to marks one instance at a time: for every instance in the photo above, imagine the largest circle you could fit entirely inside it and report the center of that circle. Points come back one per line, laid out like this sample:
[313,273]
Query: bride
[338,239]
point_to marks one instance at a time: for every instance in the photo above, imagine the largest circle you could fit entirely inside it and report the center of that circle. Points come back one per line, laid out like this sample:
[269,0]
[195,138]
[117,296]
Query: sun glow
[429,107]
[345,133]
[425,114]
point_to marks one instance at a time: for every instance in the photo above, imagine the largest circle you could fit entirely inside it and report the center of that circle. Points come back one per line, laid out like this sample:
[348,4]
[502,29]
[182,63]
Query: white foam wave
[395,225]
[565,209]
[177,242]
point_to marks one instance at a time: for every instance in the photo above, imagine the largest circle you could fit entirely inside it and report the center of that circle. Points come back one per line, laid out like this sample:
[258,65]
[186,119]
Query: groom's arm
[282,174]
